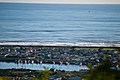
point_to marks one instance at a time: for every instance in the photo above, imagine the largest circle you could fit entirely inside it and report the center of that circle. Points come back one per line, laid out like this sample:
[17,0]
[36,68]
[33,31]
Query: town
[60,55]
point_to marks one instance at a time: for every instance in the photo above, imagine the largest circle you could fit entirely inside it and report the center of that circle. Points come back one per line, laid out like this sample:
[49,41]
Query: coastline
[59,44]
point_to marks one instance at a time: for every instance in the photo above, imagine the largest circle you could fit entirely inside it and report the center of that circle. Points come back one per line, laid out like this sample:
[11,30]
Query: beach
[38,43]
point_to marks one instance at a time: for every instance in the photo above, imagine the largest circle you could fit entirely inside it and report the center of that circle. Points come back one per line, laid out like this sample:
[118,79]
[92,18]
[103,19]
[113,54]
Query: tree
[44,74]
[90,66]
[102,72]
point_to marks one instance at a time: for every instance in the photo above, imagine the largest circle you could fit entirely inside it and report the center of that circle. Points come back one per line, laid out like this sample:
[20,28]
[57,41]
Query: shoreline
[59,44]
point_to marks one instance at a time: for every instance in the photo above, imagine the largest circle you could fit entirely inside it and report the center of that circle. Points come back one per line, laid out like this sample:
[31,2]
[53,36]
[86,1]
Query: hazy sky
[67,1]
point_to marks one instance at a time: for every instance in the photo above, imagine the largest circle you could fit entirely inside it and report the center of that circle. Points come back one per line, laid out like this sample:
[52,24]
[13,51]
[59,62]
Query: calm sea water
[59,23]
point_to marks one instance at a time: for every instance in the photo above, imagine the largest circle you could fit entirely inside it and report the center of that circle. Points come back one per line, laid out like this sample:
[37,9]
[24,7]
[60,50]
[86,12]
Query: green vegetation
[118,49]
[68,74]
[102,72]
[90,66]
[43,74]
[105,56]
[86,48]
[4,78]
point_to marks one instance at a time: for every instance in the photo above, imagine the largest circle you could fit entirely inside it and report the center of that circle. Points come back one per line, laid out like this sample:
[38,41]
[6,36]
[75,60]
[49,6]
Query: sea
[60,22]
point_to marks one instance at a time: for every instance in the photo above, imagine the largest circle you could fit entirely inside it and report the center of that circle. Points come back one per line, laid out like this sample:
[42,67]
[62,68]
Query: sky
[66,1]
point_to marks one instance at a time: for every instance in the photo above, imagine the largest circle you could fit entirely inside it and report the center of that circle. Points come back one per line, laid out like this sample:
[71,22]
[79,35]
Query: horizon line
[58,3]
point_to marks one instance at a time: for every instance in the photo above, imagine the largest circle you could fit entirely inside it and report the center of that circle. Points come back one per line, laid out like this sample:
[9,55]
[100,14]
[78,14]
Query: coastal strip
[62,44]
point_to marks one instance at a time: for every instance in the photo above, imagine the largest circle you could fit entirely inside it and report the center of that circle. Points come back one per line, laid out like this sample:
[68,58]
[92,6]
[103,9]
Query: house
[54,77]
[74,78]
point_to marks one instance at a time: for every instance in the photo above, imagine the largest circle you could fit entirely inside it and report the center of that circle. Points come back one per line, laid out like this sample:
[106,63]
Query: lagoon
[10,65]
